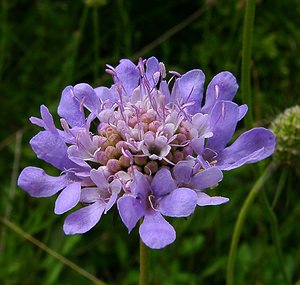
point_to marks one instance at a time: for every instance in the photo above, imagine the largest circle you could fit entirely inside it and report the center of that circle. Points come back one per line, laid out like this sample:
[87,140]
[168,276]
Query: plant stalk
[144,264]
[241,219]
[246,60]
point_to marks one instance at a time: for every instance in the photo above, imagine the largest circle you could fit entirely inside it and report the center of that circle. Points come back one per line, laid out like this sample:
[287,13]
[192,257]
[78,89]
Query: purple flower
[146,144]
[151,201]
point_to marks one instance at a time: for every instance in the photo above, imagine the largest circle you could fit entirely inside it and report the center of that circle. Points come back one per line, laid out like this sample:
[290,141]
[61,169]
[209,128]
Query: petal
[223,121]
[37,183]
[140,185]
[130,211]
[68,198]
[89,195]
[243,109]
[205,200]
[128,74]
[115,187]
[86,95]
[109,96]
[222,87]
[164,89]
[84,219]
[70,109]
[182,172]
[181,202]
[76,155]
[152,67]
[163,182]
[252,146]
[156,232]
[206,178]
[52,149]
[98,177]
[189,88]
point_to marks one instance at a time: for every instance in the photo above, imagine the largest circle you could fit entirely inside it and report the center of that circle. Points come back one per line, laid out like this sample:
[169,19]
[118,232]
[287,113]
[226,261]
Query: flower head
[145,144]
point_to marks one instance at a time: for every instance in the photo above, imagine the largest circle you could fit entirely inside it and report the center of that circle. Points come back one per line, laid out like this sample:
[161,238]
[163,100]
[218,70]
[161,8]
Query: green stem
[50,251]
[240,221]
[275,237]
[144,264]
[246,60]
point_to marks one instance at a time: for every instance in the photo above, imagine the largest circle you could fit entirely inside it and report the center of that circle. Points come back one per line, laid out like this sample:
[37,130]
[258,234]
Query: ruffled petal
[252,146]
[37,183]
[163,182]
[189,88]
[156,232]
[206,178]
[222,87]
[84,219]
[70,109]
[52,149]
[68,198]
[128,74]
[223,121]
[130,211]
[206,200]
[86,95]
[181,202]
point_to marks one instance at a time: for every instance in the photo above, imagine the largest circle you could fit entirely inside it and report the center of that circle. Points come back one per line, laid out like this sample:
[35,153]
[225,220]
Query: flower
[146,144]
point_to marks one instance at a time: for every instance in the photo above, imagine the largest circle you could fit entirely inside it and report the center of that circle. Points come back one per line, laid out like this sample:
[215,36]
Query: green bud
[286,128]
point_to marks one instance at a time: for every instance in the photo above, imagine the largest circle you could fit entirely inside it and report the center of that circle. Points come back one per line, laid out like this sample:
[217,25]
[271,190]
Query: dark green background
[46,45]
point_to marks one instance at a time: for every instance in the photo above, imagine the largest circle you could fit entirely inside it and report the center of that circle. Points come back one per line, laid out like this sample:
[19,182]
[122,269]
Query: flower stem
[51,252]
[144,266]
[240,221]
[246,60]
[275,237]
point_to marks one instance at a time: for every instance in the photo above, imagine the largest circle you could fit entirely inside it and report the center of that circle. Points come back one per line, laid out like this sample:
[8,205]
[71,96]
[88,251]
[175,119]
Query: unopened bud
[286,128]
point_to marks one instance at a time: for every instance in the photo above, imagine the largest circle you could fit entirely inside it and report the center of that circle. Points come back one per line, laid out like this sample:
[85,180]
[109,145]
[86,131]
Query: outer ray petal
[222,87]
[83,219]
[252,146]
[206,178]
[156,232]
[69,108]
[206,200]
[181,202]
[37,183]
[68,198]
[130,211]
[163,182]
[223,120]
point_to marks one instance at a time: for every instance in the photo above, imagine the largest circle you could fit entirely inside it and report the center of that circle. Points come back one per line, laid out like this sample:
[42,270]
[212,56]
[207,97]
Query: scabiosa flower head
[145,144]
[286,127]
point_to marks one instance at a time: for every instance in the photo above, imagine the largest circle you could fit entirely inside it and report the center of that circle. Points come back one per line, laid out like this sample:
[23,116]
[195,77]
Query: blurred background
[46,45]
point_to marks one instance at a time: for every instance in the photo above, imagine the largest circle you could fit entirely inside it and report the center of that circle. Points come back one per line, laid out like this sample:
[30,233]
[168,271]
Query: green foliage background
[46,45]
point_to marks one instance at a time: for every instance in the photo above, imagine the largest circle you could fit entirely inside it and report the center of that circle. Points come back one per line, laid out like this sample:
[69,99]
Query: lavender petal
[181,202]
[37,183]
[252,146]
[130,211]
[156,232]
[68,198]
[83,219]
